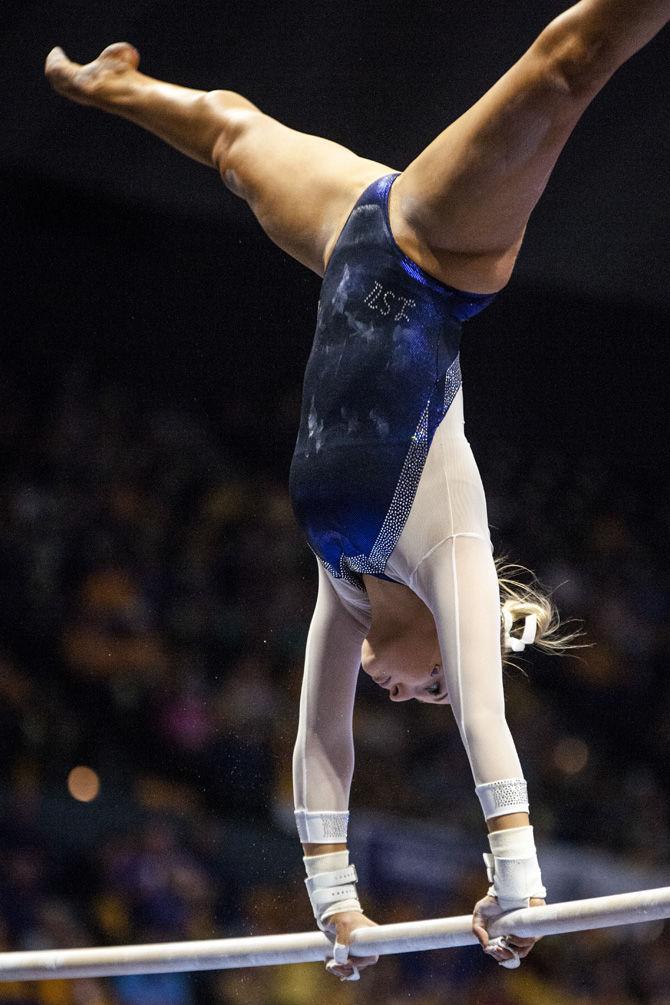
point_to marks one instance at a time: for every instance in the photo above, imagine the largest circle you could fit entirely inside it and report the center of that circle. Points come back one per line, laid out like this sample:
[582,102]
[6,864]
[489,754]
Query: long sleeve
[459,583]
[323,758]
[445,555]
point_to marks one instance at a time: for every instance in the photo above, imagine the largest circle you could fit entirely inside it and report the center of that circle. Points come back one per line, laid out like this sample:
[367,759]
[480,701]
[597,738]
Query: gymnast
[383,481]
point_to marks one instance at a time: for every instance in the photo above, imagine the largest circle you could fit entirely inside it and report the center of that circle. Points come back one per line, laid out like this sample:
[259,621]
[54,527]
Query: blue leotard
[383,370]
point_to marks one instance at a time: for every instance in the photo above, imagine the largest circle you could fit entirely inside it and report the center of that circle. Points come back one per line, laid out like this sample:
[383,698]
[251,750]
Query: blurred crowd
[155,599]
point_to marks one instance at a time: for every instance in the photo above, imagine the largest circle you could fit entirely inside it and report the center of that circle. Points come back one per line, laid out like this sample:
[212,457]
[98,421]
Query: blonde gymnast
[383,480]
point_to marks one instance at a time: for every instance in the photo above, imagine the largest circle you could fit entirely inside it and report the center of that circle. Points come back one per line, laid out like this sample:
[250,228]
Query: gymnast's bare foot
[98,83]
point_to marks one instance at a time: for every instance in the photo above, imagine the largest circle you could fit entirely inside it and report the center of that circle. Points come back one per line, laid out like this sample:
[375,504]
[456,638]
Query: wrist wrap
[331,885]
[513,869]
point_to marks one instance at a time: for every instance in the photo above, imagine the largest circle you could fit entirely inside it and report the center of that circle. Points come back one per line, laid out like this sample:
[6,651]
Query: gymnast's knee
[577,58]
[234,118]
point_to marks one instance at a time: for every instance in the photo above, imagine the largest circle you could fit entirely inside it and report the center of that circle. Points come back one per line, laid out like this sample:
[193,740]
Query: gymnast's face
[406,662]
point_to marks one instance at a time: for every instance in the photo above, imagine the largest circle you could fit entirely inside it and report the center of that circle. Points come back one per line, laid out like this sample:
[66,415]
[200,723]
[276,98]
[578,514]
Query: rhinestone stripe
[403,497]
[398,512]
[334,826]
[452,382]
[509,792]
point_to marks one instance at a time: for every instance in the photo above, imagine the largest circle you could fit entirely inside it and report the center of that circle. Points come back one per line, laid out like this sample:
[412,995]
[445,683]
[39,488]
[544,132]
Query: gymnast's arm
[458,580]
[459,583]
[447,554]
[323,764]
[323,759]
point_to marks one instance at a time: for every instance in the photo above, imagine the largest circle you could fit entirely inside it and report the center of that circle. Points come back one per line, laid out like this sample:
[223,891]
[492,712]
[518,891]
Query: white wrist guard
[508,795]
[331,885]
[513,869]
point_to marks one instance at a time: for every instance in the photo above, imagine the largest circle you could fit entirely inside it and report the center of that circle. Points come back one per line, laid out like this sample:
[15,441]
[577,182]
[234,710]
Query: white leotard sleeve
[445,556]
[323,758]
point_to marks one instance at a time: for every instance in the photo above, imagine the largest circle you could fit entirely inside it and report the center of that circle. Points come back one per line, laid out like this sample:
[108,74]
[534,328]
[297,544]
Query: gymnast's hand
[485,911]
[342,965]
[93,84]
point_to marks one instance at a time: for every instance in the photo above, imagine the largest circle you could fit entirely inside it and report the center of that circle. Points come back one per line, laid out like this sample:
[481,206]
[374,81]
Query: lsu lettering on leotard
[382,373]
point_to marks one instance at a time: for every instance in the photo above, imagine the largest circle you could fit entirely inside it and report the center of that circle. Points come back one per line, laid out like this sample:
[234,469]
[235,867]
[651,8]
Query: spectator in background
[160,716]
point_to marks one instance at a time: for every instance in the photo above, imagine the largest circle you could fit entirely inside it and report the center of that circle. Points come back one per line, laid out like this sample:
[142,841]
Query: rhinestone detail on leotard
[452,382]
[403,496]
[504,793]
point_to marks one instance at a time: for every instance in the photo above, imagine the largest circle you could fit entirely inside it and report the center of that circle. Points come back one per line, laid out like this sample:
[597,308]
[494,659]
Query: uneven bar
[308,947]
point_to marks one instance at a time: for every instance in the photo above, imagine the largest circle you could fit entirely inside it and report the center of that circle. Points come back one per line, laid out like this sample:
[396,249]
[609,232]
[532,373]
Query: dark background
[119,249]
[154,343]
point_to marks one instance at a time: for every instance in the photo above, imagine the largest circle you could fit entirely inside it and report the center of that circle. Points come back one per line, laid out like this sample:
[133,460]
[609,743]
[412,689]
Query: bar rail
[307,947]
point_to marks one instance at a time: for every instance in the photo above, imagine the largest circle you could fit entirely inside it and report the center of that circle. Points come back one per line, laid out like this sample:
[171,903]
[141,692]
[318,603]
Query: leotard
[382,373]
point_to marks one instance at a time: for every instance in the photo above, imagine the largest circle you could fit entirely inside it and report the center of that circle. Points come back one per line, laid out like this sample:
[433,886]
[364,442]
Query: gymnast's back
[382,373]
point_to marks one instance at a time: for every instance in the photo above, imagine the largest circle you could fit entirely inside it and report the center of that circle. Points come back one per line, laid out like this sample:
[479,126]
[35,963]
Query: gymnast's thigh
[300,187]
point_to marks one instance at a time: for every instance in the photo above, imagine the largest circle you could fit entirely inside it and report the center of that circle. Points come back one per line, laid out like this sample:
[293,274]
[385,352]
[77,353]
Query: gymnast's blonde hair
[522,597]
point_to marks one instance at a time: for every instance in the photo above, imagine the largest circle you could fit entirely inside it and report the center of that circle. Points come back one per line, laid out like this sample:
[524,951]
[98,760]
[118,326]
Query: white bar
[308,947]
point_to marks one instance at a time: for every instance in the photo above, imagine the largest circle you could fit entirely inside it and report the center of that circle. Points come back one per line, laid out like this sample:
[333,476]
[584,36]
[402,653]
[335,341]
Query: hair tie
[527,636]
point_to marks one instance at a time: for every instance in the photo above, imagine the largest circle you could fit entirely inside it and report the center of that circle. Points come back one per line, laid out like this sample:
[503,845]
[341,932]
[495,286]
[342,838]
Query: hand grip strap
[513,869]
[333,890]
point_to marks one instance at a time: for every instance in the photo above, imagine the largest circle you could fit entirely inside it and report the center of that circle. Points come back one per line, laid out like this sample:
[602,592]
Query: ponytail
[524,606]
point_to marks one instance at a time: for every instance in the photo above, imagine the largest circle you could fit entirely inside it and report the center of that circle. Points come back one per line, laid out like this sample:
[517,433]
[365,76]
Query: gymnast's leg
[461,207]
[300,187]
